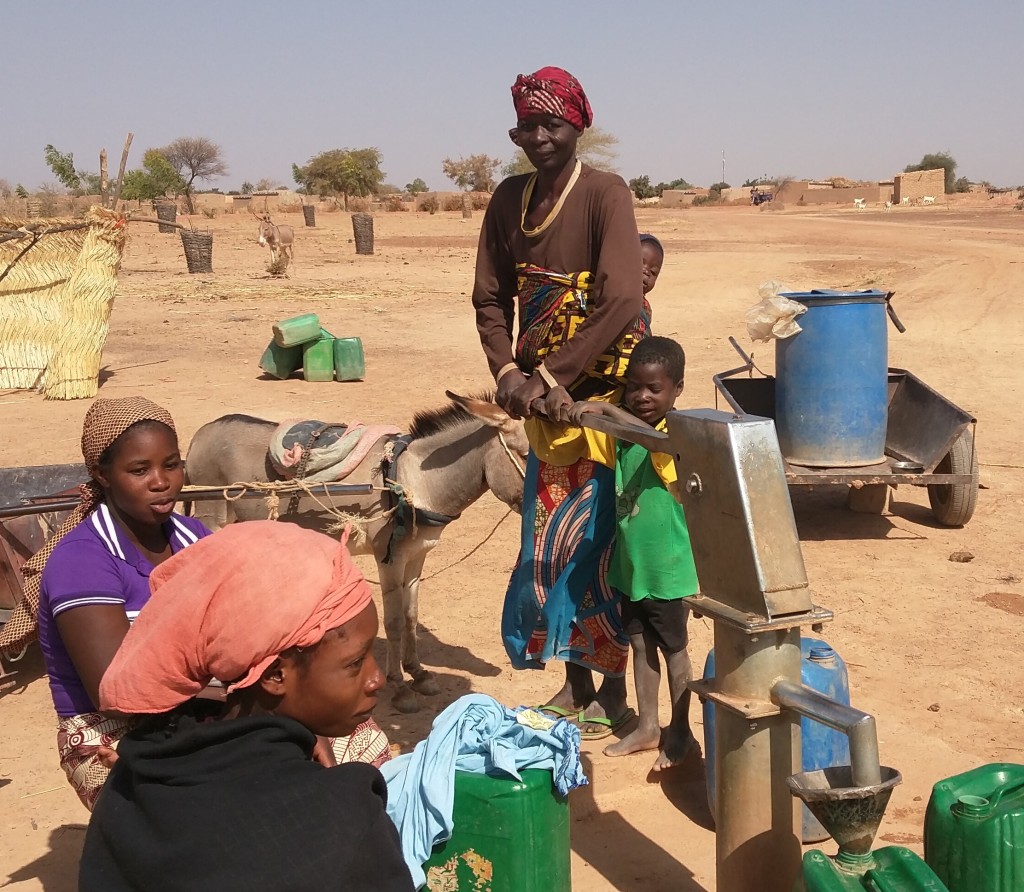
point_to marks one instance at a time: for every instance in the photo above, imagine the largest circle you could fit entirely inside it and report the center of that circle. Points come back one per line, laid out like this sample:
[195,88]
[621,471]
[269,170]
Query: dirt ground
[933,647]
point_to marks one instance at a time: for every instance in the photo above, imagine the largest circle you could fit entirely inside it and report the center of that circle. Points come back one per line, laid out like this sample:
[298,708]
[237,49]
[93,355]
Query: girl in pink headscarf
[282,617]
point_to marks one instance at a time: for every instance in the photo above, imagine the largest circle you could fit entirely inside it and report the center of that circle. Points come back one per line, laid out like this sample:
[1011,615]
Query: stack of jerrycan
[508,836]
[974,830]
[300,341]
[822,669]
[889,869]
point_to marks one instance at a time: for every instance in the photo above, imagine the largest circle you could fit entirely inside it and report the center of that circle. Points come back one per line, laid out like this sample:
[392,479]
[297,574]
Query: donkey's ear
[490,413]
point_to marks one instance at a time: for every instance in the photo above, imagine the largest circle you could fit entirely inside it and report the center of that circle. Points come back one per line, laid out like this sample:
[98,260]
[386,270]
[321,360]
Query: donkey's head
[505,465]
[268,234]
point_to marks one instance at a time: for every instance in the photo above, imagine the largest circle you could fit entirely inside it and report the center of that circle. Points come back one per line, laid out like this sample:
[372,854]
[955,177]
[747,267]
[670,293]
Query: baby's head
[652,255]
[654,378]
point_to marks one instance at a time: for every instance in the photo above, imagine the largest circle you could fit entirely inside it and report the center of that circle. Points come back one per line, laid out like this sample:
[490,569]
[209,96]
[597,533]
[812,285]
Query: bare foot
[674,753]
[598,710]
[639,741]
[563,701]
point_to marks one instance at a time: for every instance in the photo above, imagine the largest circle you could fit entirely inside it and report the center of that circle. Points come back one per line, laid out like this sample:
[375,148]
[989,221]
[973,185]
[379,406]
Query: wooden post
[120,171]
[103,178]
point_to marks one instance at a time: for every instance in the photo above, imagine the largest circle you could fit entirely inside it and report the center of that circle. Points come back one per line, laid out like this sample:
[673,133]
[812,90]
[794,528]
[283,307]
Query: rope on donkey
[274,489]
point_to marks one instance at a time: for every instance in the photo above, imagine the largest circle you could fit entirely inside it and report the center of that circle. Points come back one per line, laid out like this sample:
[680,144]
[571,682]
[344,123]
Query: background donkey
[277,238]
[456,453]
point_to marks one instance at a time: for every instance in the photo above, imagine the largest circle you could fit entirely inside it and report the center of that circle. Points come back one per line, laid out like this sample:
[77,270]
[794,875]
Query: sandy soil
[932,646]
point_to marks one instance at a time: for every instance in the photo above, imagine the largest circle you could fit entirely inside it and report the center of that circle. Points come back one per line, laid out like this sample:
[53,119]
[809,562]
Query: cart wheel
[953,503]
[872,498]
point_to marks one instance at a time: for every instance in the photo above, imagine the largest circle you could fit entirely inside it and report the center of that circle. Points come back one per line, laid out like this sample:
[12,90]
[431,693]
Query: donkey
[454,455]
[277,238]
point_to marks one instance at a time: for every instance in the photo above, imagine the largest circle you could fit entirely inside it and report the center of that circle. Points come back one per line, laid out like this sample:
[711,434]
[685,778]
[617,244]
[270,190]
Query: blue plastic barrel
[831,388]
[822,669]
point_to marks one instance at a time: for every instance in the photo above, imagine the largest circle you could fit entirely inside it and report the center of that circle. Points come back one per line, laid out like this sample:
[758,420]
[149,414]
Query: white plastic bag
[773,316]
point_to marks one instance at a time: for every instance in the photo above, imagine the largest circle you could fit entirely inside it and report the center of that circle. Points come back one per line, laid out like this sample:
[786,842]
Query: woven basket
[309,213]
[55,304]
[198,250]
[362,227]
[166,210]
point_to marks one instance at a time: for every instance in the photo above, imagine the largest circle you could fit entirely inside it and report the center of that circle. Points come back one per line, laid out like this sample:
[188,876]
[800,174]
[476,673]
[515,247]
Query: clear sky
[808,89]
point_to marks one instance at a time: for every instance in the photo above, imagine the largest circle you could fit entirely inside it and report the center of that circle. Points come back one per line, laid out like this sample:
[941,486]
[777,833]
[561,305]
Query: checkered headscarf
[105,421]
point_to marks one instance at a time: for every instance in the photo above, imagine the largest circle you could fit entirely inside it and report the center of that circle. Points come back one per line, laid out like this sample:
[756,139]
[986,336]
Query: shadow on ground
[22,673]
[822,515]
[619,851]
[57,870]
[408,729]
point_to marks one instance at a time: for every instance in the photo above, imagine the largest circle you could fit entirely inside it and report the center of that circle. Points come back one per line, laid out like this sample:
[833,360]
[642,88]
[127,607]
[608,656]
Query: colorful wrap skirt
[559,604]
[79,738]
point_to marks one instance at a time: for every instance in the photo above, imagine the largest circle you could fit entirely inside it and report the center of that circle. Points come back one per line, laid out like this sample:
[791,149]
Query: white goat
[859,203]
[904,201]
[928,199]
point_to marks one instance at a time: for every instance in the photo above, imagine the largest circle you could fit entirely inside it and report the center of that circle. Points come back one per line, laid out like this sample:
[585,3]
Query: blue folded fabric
[476,733]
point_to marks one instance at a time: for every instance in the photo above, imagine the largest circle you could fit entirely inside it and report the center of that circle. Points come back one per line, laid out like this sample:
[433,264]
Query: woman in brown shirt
[559,248]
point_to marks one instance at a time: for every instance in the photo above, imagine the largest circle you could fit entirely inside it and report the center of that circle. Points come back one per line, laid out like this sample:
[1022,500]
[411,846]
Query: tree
[342,172]
[595,147]
[195,158]
[21,191]
[299,175]
[155,180]
[5,189]
[641,187]
[264,185]
[933,161]
[63,167]
[519,164]
[679,183]
[720,187]
[248,188]
[416,186]
[962,185]
[472,174]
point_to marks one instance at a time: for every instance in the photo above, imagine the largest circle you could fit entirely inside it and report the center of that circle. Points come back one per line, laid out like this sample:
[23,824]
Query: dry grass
[428,203]
[278,267]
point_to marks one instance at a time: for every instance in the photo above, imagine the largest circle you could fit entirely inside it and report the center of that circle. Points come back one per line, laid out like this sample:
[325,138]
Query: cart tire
[953,503]
[872,498]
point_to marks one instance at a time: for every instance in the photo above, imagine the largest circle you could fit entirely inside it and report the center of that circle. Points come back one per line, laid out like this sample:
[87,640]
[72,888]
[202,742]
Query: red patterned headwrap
[552,91]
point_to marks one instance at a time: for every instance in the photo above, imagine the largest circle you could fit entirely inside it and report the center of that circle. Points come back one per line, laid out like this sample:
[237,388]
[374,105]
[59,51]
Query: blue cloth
[478,734]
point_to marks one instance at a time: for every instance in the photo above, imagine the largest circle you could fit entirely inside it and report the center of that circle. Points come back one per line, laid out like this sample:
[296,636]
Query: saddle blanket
[334,450]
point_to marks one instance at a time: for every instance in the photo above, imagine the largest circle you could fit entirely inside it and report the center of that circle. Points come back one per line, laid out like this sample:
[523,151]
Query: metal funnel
[850,814]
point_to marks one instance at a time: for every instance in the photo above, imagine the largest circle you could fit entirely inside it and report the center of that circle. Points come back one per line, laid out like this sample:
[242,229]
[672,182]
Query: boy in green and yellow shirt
[652,563]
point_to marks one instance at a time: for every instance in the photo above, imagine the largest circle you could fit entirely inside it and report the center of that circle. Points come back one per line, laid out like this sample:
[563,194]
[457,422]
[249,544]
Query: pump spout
[857,725]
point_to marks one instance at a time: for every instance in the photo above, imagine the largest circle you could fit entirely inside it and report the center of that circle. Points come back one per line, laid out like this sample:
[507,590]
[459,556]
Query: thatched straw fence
[55,302]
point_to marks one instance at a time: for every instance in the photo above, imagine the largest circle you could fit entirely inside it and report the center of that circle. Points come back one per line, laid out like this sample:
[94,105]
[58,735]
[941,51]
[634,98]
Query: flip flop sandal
[558,712]
[608,727]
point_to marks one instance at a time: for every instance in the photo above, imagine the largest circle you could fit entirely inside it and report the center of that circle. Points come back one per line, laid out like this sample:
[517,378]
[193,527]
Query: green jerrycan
[509,836]
[974,829]
[889,869]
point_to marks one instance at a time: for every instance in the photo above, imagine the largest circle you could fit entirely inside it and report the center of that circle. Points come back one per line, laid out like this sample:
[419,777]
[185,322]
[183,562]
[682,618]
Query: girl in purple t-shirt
[95,571]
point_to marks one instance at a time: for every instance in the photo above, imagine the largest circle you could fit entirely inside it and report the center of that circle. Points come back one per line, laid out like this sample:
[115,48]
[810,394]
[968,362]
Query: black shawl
[238,805]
